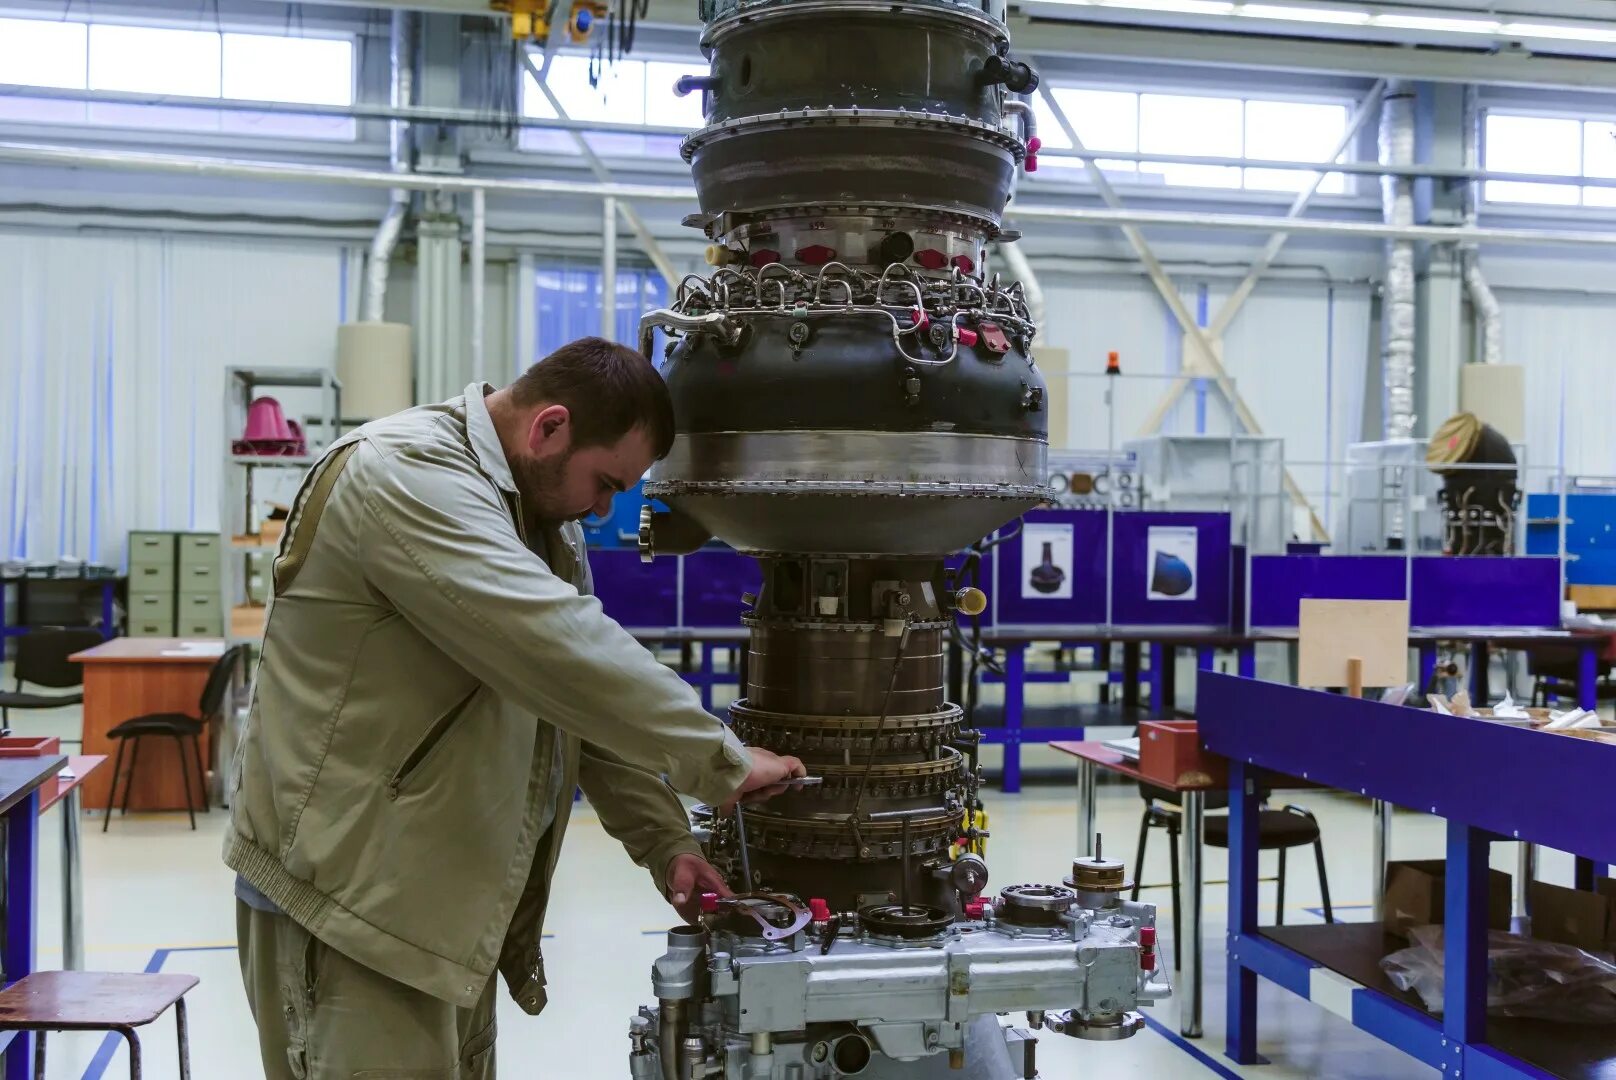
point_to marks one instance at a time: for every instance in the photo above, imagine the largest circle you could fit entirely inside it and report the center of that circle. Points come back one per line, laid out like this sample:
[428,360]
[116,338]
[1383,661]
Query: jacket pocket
[428,746]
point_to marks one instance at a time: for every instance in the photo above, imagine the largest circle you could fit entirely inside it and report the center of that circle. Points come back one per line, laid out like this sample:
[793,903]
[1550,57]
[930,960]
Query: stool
[95,1001]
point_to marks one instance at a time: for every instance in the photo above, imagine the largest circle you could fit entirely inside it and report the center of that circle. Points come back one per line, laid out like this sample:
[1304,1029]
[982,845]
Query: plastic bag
[1525,978]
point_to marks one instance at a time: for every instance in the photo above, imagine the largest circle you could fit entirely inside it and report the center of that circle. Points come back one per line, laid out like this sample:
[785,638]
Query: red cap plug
[1034,145]
[815,254]
[931,258]
[1147,937]
[975,908]
[709,903]
[920,319]
[820,909]
[764,256]
[965,263]
[1147,960]
[967,337]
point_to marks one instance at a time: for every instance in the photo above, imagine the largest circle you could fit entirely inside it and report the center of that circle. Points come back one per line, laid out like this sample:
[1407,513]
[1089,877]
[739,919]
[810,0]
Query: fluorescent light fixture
[1177,7]
[1279,12]
[1556,32]
[1438,23]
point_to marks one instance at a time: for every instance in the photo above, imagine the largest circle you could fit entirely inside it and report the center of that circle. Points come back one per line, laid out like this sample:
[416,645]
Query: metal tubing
[243,169]
[72,884]
[1525,874]
[670,1036]
[183,1028]
[1380,838]
[1085,804]
[1194,814]
[479,267]
[608,268]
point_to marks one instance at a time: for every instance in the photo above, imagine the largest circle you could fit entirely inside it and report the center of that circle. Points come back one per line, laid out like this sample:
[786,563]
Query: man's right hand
[765,780]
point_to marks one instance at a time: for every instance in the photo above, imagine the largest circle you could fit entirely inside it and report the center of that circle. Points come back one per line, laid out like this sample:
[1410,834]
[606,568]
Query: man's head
[583,424]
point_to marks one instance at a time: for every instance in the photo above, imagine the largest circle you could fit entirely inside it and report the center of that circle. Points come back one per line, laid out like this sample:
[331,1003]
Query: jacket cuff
[729,769]
[662,857]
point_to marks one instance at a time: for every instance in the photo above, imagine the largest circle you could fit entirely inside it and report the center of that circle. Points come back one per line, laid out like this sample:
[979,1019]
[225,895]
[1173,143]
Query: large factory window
[1198,125]
[181,62]
[1551,146]
[566,298]
[625,92]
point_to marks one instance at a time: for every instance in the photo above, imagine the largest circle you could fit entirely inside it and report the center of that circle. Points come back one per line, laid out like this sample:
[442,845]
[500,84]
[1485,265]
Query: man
[435,681]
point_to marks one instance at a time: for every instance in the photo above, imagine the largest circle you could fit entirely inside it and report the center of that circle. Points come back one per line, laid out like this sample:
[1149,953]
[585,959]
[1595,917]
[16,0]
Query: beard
[540,483]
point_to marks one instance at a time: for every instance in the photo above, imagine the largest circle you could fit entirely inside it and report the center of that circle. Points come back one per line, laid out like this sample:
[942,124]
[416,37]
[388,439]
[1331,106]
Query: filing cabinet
[174,585]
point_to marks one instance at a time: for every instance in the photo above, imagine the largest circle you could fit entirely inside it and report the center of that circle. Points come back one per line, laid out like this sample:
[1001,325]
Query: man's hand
[688,877]
[764,781]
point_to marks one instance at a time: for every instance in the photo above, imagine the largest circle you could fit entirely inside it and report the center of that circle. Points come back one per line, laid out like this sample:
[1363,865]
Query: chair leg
[1172,850]
[201,773]
[1279,895]
[112,792]
[135,1070]
[39,1055]
[134,766]
[1324,880]
[185,772]
[185,1042]
[1139,860]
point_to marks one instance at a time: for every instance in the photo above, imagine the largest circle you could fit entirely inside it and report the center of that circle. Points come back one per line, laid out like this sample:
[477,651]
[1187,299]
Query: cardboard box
[1416,895]
[1171,754]
[1569,917]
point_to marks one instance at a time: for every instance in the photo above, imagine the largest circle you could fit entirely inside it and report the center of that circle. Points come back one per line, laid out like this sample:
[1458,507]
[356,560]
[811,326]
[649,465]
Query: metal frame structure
[1340,742]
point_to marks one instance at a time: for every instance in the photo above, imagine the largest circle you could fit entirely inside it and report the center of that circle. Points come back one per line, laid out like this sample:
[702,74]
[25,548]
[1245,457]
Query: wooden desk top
[1106,758]
[57,787]
[149,650]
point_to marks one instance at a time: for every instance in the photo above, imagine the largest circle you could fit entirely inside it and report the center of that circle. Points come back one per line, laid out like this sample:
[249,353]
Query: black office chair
[1277,830]
[42,660]
[179,727]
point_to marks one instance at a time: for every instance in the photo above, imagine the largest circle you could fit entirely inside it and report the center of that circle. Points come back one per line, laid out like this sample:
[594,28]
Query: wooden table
[128,677]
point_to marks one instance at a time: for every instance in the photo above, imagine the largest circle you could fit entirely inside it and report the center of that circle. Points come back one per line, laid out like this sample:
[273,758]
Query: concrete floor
[158,898]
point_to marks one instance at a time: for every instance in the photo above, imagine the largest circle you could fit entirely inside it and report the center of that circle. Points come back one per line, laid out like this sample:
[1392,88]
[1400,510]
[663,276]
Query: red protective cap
[815,254]
[975,908]
[931,258]
[1034,145]
[709,903]
[919,318]
[820,909]
[1147,960]
[966,264]
[764,256]
[1147,937]
[967,337]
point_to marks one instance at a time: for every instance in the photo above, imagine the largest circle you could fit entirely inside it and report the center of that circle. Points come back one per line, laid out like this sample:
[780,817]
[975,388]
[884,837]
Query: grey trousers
[321,1016]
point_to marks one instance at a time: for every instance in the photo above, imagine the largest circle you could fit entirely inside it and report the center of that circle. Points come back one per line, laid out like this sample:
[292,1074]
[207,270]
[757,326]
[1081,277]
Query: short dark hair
[608,388]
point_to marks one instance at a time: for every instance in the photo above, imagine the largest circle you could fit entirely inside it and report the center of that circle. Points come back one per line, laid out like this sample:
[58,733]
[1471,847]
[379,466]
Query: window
[1552,146]
[627,92]
[188,63]
[1197,125]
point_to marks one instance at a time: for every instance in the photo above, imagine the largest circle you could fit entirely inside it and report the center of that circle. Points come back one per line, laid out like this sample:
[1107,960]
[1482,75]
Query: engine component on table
[1479,503]
[893,992]
[856,398]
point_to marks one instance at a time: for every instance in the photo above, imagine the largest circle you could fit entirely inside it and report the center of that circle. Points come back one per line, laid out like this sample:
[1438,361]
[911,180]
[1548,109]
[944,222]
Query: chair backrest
[219,676]
[42,657]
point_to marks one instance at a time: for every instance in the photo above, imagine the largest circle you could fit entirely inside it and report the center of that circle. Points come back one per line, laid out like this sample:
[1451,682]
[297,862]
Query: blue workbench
[20,781]
[1491,782]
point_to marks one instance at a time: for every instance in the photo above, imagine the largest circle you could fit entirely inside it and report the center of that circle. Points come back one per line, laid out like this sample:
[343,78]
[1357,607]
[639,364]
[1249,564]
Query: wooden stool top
[89,1000]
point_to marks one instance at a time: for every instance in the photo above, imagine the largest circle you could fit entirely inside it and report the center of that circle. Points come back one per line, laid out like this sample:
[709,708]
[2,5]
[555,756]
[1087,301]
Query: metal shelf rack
[1558,794]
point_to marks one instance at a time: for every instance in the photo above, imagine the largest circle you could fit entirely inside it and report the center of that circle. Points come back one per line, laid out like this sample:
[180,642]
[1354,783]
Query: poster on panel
[1048,553]
[1170,559]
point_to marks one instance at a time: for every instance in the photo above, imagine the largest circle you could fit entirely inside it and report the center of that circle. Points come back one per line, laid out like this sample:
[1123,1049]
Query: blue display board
[1590,534]
[1485,590]
[1069,588]
[1279,583]
[635,593]
[715,579]
[1170,569]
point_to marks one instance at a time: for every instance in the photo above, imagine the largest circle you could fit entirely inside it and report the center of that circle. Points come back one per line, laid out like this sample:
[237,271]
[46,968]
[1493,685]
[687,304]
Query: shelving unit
[244,567]
[1559,796]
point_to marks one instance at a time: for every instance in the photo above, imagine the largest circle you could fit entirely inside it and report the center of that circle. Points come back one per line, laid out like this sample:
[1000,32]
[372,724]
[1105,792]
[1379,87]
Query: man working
[435,681]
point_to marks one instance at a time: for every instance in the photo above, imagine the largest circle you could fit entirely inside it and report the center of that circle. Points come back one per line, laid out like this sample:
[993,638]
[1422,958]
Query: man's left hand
[688,877]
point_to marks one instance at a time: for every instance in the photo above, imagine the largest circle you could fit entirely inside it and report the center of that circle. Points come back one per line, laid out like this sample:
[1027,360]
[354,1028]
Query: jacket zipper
[428,746]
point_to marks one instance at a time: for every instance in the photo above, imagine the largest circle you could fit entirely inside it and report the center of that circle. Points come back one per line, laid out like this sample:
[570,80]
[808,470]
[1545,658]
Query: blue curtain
[567,297]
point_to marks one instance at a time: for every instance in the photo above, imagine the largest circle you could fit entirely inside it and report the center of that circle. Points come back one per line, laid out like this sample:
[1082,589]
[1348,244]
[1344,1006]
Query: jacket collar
[484,439]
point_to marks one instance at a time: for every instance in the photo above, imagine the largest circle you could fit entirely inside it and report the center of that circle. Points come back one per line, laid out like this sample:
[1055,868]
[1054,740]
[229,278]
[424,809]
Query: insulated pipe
[1397,193]
[398,199]
[1015,260]
[1029,131]
[714,322]
[1489,314]
[608,268]
[479,267]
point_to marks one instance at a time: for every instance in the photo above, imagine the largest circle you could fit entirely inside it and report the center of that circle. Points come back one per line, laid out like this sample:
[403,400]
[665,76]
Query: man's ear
[551,423]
